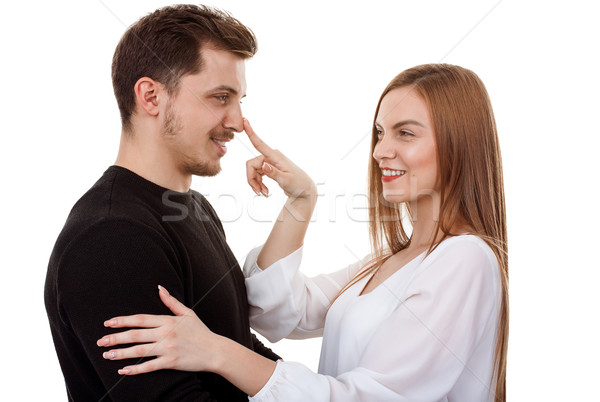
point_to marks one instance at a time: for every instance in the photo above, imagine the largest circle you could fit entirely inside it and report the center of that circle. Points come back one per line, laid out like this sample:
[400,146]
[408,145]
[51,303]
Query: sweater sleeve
[286,303]
[262,350]
[422,348]
[113,269]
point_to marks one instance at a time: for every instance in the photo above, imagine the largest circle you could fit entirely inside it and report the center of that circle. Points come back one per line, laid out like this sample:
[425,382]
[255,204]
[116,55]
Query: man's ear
[148,93]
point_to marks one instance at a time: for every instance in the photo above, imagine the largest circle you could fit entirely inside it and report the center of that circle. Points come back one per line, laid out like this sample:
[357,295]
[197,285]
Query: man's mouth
[221,144]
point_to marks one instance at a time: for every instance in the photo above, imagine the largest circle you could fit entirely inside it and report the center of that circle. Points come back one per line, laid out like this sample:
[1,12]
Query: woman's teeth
[387,172]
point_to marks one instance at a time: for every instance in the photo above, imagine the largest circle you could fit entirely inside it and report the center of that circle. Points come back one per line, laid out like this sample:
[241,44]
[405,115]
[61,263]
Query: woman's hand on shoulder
[179,342]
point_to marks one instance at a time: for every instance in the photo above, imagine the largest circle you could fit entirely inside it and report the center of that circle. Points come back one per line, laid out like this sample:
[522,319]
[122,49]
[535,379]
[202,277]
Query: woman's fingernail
[102,342]
[108,355]
[124,371]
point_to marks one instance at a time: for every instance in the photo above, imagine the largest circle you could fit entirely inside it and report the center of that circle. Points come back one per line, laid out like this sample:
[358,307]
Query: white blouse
[427,333]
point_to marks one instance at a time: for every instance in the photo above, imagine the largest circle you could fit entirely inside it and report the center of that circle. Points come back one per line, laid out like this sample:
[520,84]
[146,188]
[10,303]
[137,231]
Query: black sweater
[124,237]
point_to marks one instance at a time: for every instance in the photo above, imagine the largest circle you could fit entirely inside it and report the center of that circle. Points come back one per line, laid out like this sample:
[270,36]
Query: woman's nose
[384,149]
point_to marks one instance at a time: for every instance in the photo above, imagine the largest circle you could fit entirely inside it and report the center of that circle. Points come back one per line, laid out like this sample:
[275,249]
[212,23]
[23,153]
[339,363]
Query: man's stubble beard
[172,127]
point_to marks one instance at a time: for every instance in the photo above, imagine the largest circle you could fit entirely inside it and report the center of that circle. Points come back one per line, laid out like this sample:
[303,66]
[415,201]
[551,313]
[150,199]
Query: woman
[426,318]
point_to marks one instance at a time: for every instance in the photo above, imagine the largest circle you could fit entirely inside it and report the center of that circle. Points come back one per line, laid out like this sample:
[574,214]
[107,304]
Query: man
[178,76]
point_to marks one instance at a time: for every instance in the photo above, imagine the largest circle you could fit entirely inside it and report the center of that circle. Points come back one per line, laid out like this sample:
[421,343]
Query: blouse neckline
[389,278]
[403,268]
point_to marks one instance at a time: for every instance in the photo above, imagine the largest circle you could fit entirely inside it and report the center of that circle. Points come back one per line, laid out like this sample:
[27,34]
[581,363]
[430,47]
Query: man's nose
[233,120]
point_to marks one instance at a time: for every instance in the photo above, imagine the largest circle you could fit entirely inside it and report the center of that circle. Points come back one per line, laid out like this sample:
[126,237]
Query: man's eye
[221,98]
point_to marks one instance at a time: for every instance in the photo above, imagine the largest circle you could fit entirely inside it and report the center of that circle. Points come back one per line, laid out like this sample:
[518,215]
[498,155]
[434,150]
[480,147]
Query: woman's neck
[425,230]
[425,218]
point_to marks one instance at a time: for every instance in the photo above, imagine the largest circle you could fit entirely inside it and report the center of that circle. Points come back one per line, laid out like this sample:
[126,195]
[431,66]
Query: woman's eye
[405,133]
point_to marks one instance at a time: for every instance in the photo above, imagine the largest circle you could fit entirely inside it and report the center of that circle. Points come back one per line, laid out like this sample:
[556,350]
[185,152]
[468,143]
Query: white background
[312,90]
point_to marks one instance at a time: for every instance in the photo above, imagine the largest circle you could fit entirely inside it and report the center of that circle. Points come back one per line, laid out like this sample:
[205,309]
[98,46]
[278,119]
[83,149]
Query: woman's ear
[147,95]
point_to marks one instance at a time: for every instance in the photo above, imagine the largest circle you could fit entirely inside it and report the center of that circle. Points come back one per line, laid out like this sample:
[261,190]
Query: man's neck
[150,161]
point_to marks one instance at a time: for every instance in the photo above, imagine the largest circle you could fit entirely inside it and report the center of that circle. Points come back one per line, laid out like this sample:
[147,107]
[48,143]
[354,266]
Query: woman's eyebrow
[403,123]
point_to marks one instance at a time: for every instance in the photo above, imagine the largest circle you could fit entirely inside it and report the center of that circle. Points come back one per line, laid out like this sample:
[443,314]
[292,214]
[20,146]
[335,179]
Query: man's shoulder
[109,234]
[106,212]
[113,195]
[207,210]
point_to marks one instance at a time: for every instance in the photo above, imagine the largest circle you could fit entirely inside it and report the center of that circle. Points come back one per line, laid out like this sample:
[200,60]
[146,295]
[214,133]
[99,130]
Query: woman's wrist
[309,194]
[302,206]
[222,347]
[242,367]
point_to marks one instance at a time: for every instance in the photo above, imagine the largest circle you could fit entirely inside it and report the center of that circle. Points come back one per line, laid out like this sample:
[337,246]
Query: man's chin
[204,170]
[210,173]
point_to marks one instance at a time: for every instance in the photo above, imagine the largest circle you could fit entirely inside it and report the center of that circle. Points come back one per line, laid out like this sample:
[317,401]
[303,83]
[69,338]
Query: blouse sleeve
[422,348]
[286,303]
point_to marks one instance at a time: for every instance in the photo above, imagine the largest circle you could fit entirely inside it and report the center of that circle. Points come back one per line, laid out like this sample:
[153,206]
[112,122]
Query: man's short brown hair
[166,45]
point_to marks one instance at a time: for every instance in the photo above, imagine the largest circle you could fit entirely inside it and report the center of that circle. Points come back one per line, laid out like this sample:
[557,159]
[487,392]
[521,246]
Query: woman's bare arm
[290,228]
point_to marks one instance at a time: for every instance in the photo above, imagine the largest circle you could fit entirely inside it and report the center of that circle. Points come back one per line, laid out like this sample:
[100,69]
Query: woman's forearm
[289,230]
[242,367]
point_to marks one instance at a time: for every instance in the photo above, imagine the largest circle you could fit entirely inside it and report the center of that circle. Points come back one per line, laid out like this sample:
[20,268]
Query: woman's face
[406,151]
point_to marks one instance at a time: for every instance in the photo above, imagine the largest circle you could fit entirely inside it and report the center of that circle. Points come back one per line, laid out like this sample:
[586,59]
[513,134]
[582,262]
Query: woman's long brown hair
[470,174]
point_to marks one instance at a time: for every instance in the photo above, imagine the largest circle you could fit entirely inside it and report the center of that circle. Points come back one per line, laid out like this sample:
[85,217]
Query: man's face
[205,112]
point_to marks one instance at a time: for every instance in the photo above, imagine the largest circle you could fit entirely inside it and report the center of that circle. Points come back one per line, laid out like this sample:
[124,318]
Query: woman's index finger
[258,143]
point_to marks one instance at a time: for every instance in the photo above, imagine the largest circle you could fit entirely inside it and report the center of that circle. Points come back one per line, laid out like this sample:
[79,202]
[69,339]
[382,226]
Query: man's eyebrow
[225,88]
[404,123]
